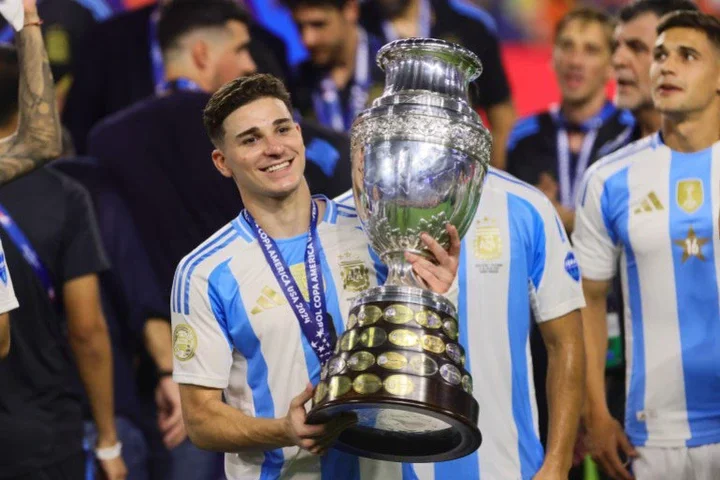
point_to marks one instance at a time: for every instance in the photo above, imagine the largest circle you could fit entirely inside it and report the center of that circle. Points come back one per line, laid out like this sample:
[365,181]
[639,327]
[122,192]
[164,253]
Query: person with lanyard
[51,247]
[461,22]
[37,137]
[167,192]
[552,150]
[120,63]
[654,204]
[258,306]
[334,85]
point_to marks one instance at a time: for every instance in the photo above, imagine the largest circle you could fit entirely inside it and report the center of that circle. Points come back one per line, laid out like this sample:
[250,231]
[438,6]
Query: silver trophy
[419,157]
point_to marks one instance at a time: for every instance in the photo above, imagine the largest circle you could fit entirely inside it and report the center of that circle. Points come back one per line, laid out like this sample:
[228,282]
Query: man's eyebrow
[279,121]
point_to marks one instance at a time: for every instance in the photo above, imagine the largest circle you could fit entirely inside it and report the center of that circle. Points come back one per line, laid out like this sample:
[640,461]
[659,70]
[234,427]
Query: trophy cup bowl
[419,157]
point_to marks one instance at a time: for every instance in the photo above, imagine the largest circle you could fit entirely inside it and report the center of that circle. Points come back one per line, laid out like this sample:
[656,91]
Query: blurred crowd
[132,188]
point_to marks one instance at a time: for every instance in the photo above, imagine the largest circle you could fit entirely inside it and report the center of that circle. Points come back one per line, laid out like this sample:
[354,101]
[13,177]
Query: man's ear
[351,12]
[220,162]
[200,54]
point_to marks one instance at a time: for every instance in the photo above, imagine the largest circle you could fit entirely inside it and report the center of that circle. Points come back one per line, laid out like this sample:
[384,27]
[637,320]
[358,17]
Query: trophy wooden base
[399,368]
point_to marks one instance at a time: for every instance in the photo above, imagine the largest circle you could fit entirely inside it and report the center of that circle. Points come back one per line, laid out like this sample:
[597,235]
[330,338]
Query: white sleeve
[201,343]
[8,301]
[556,288]
[346,199]
[596,252]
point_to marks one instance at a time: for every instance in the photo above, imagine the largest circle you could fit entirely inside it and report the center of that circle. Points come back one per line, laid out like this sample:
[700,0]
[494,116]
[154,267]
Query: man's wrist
[109,453]
[106,440]
[31,16]
[594,408]
[556,464]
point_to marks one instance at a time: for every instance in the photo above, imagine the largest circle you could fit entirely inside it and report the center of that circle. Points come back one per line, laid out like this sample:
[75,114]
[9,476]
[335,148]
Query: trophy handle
[400,272]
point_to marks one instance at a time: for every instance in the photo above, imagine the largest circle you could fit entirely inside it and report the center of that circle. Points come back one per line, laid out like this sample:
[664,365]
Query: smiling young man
[669,268]
[242,321]
[552,150]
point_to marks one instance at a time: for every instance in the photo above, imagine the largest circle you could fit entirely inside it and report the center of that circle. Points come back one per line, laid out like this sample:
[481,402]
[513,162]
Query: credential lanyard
[156,59]
[28,252]
[328,107]
[568,187]
[312,315]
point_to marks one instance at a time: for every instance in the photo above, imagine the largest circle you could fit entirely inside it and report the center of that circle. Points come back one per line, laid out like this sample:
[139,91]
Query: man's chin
[320,60]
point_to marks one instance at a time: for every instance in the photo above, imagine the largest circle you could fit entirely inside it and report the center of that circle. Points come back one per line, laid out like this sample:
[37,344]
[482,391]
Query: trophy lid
[457,56]
[421,66]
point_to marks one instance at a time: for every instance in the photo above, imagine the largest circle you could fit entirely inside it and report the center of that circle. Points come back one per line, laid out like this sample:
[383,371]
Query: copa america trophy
[420,154]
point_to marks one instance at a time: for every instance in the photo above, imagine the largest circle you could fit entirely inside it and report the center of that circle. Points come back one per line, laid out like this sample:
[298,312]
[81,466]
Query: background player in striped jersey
[239,325]
[655,204]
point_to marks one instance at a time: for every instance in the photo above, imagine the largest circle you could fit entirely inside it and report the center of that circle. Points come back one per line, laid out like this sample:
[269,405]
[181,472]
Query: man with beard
[334,84]
[458,22]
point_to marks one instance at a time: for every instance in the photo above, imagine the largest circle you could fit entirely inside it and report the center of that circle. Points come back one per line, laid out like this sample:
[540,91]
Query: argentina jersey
[234,330]
[515,257]
[658,210]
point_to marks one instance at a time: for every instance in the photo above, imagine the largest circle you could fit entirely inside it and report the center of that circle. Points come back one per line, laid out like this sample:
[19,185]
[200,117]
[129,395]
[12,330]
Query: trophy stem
[400,272]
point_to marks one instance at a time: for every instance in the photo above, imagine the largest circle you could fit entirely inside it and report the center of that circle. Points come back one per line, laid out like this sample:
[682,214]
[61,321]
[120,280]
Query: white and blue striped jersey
[657,209]
[515,257]
[8,301]
[234,330]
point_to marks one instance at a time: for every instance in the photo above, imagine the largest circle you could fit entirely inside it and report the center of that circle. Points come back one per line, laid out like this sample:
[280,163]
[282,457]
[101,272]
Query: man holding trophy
[286,296]
[515,241]
[250,314]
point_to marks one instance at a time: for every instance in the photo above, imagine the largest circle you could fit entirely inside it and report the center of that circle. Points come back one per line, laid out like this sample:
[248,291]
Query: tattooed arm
[38,137]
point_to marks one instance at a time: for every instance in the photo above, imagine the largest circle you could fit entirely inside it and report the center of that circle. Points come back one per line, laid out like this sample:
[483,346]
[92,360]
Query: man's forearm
[39,134]
[219,427]
[596,340]
[158,342]
[4,335]
[94,359]
[565,387]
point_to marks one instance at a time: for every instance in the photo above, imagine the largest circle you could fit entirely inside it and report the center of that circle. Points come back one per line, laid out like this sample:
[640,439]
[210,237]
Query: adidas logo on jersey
[649,203]
[268,299]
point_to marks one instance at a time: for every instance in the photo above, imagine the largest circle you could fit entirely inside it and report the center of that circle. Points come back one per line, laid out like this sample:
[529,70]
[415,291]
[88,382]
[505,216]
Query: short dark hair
[295,4]
[238,93]
[9,82]
[702,22]
[181,17]
[659,7]
[588,15]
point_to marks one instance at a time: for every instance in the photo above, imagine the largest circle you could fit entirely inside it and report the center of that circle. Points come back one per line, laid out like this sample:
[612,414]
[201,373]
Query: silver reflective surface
[398,421]
[419,153]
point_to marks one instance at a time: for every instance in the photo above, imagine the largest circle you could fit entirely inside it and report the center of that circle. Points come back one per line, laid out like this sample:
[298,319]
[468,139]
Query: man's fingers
[617,469]
[303,398]
[437,250]
[174,437]
[626,445]
[430,279]
[311,432]
[454,250]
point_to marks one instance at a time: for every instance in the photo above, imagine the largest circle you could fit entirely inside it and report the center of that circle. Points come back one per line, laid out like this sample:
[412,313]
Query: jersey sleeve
[596,250]
[555,277]
[201,343]
[8,301]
